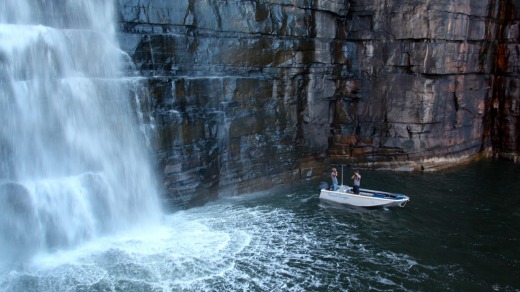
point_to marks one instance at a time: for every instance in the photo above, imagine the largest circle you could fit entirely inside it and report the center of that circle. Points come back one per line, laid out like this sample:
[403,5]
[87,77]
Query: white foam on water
[237,243]
[179,253]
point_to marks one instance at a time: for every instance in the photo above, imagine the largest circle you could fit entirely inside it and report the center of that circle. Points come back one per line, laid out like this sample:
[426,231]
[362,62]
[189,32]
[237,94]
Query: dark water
[459,232]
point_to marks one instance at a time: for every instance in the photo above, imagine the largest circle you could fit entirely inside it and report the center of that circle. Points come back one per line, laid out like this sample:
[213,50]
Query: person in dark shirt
[357,181]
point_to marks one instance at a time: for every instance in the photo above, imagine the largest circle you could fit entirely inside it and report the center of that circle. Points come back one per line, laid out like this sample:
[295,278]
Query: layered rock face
[244,95]
[439,83]
[240,89]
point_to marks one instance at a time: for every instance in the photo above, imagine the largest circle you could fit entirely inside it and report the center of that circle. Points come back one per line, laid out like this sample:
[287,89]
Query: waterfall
[73,164]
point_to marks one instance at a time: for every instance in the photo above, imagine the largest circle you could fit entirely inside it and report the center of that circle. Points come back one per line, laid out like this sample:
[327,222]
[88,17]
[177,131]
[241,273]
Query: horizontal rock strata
[436,84]
[245,95]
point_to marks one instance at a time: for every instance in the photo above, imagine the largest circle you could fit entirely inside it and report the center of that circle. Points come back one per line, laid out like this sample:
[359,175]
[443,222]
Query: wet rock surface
[430,71]
[246,95]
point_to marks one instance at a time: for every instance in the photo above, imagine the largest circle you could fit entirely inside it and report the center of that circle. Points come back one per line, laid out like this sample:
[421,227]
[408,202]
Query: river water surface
[459,232]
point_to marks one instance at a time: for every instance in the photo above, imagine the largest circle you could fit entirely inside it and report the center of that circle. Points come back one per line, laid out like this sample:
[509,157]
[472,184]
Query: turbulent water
[73,163]
[459,232]
[79,209]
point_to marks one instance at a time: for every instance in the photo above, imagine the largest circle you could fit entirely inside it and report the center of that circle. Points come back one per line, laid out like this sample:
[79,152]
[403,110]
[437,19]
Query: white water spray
[73,164]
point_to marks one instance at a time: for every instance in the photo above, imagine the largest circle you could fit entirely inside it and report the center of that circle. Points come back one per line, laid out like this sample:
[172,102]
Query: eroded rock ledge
[245,95]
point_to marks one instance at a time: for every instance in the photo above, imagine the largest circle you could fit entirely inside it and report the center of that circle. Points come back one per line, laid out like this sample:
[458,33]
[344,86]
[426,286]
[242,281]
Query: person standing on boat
[334,176]
[357,181]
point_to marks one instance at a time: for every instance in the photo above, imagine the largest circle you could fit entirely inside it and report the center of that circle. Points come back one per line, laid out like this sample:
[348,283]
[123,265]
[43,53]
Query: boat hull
[365,198]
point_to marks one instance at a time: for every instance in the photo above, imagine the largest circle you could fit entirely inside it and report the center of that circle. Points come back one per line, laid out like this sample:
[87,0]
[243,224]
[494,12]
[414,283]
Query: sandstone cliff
[250,94]
[438,82]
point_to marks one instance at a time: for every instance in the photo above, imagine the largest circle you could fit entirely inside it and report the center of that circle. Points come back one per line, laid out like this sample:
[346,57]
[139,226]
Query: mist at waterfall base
[459,232]
[79,209]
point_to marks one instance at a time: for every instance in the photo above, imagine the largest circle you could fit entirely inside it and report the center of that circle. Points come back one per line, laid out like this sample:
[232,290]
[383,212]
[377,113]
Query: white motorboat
[365,198]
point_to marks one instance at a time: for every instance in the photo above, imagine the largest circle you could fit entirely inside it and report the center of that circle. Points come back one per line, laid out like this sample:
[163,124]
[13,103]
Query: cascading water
[73,164]
[73,174]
